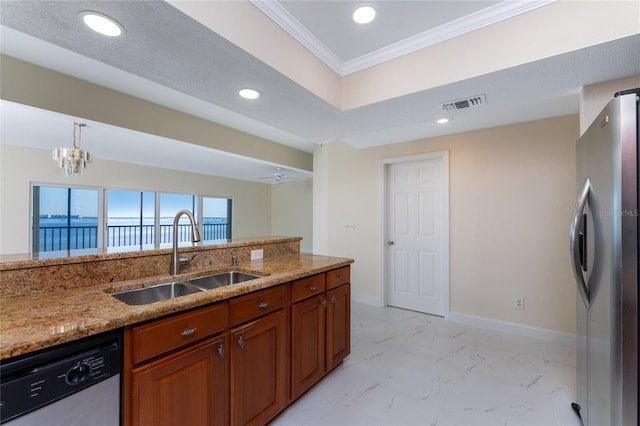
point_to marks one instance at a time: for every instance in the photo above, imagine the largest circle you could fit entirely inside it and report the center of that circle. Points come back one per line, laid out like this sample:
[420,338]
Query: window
[216,224]
[170,204]
[69,218]
[130,218]
[64,218]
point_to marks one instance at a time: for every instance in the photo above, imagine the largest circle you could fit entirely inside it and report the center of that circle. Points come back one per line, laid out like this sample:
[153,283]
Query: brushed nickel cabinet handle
[189,331]
[333,300]
[240,341]
[324,303]
[313,288]
[221,351]
[263,305]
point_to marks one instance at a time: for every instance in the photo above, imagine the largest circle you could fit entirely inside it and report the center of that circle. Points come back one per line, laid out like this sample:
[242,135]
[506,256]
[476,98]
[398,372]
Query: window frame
[102,224]
[32,211]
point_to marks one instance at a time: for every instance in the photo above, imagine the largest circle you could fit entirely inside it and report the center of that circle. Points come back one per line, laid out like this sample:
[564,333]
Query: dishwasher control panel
[31,383]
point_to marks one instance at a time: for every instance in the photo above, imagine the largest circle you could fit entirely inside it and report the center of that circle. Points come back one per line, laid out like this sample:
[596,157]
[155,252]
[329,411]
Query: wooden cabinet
[175,370]
[185,388]
[338,316]
[307,344]
[320,327]
[338,323]
[161,336]
[258,357]
[240,361]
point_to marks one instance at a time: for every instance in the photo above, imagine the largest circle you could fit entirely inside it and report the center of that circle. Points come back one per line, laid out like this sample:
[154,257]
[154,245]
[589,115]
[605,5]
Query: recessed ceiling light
[249,93]
[442,121]
[101,24]
[364,14]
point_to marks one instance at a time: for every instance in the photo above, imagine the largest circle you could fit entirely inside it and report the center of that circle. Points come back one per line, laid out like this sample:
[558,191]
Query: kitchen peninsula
[300,301]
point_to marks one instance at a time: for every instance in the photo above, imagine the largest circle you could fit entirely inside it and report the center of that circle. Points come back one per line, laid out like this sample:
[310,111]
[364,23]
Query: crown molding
[281,16]
[482,18]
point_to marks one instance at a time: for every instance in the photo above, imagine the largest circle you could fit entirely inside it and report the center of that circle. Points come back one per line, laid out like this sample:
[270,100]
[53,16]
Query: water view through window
[69,218]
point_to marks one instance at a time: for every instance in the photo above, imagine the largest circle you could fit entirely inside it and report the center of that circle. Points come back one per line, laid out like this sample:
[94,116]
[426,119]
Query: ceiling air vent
[473,101]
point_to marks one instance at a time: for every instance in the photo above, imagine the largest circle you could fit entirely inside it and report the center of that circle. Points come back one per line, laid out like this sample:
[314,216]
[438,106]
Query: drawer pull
[313,288]
[263,305]
[333,300]
[221,351]
[324,303]
[240,341]
[189,331]
[342,277]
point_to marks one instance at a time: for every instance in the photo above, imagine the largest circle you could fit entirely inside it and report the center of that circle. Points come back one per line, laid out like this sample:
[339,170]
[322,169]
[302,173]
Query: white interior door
[417,258]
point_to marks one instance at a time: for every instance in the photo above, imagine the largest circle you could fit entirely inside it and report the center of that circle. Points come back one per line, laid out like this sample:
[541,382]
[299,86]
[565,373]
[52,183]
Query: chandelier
[73,160]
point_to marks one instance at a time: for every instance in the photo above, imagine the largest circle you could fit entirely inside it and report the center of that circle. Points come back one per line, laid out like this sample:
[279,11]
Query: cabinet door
[338,326]
[258,363]
[185,388]
[307,344]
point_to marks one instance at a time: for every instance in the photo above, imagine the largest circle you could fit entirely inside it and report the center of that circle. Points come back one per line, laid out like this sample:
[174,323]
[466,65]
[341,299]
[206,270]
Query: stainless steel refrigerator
[604,254]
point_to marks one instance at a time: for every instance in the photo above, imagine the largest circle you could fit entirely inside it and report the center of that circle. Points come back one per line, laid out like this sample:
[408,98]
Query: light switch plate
[349,227]
[257,254]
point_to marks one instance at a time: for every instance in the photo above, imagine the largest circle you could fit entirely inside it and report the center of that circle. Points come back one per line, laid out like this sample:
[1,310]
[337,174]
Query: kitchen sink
[222,279]
[156,293]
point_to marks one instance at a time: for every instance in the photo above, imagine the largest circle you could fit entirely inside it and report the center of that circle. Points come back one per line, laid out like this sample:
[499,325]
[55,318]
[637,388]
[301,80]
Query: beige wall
[19,166]
[246,26]
[511,198]
[594,97]
[29,84]
[292,211]
[36,86]
[568,26]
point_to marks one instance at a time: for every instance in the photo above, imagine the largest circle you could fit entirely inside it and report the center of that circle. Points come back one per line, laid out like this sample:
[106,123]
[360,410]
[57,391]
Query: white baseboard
[513,328]
[488,323]
[366,299]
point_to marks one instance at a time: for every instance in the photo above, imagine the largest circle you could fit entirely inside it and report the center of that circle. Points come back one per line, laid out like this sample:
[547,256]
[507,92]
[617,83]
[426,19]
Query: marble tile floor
[408,368]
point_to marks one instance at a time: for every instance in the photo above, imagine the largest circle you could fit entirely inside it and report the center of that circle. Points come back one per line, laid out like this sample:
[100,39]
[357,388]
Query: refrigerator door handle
[577,246]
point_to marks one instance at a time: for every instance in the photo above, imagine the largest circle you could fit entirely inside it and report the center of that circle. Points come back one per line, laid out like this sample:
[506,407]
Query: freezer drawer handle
[577,241]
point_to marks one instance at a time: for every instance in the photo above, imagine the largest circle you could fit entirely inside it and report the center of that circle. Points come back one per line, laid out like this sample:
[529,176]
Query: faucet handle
[186,259]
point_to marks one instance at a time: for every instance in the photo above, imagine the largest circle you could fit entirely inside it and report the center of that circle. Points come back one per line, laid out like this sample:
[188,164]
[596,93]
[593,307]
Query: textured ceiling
[171,59]
[330,22]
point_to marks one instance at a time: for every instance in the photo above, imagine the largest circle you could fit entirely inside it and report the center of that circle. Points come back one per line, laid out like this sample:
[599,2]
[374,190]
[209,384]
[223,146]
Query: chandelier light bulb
[73,160]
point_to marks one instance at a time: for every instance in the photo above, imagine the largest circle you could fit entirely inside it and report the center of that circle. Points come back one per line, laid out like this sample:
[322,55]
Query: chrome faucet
[195,237]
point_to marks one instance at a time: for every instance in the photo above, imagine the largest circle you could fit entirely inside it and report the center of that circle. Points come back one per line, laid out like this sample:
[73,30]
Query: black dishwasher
[77,383]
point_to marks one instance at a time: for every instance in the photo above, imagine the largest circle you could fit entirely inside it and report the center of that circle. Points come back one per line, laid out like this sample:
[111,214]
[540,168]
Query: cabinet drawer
[170,333]
[306,287]
[253,305]
[338,277]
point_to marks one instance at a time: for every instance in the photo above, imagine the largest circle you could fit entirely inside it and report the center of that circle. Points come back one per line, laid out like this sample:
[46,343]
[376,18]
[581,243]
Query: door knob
[390,243]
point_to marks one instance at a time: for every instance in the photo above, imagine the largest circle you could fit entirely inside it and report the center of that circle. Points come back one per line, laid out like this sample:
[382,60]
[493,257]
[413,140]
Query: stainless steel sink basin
[156,293]
[222,279]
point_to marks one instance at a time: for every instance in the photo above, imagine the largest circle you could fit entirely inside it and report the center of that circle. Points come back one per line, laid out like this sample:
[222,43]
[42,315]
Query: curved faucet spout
[195,237]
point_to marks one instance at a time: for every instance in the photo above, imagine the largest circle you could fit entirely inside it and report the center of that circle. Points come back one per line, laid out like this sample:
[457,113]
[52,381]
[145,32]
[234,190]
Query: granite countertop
[36,322]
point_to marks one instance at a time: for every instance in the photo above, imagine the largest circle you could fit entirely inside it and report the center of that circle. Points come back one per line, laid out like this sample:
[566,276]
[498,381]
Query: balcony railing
[53,238]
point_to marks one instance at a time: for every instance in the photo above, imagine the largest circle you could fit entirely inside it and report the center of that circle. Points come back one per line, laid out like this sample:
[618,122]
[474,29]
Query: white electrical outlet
[257,254]
[518,303]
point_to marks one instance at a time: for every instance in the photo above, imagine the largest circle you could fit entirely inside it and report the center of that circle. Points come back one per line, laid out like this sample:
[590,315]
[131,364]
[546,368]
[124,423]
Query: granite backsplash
[25,276]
